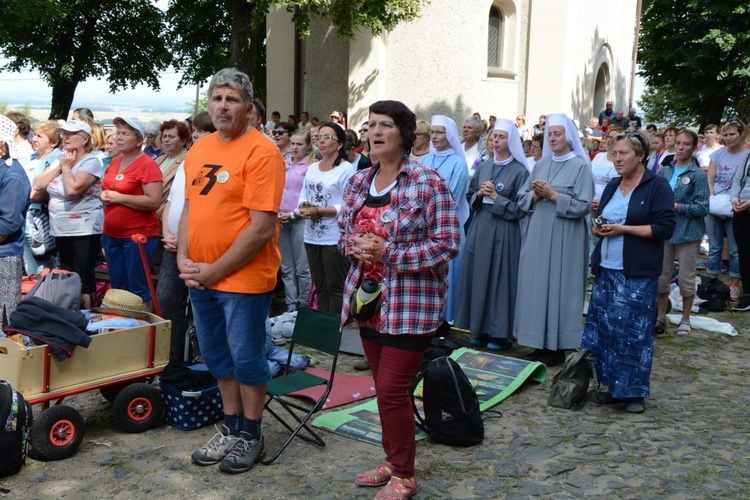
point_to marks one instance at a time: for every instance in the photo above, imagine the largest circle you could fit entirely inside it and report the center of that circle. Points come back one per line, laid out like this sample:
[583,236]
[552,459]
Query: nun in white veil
[554,256]
[447,157]
[487,289]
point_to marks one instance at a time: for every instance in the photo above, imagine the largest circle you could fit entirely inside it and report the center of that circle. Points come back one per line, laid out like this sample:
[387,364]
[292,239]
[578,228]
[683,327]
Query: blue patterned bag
[16,417]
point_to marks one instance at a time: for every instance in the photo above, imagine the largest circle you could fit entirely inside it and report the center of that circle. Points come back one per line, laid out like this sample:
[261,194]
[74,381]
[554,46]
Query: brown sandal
[377,476]
[660,326]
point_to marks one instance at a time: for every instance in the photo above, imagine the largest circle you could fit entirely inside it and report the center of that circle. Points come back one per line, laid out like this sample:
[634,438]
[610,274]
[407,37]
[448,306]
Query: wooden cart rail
[111,358]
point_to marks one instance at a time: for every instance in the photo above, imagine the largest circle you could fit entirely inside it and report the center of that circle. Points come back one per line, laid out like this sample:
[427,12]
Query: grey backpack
[60,288]
[571,385]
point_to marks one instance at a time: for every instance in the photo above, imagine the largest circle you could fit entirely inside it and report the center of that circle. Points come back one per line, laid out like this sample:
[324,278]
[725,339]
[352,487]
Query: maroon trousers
[393,370]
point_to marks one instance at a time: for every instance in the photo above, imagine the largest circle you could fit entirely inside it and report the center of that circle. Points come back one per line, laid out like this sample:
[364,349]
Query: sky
[17,89]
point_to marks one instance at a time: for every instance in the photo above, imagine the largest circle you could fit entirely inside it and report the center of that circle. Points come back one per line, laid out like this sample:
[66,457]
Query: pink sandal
[398,489]
[378,476]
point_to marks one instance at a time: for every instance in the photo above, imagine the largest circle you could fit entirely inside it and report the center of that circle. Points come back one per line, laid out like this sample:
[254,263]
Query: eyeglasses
[279,132]
[327,138]
[422,134]
[436,132]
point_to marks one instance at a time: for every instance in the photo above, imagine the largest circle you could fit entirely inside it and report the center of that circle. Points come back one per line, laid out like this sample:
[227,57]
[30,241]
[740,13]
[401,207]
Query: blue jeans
[716,229]
[124,263]
[231,330]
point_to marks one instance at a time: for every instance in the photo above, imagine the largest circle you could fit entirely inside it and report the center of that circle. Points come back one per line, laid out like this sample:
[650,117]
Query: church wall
[570,40]
[437,64]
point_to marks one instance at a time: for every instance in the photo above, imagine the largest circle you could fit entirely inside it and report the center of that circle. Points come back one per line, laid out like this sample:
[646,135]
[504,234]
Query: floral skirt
[11,273]
[620,332]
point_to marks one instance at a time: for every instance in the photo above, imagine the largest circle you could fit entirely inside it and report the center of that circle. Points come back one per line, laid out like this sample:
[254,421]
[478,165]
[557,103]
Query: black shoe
[743,305]
[635,405]
[535,355]
[553,358]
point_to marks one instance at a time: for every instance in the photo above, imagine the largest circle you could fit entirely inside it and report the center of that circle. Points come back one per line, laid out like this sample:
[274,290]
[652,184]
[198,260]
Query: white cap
[76,126]
[133,123]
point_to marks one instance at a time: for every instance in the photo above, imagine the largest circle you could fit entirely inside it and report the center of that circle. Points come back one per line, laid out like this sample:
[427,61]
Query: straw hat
[122,299]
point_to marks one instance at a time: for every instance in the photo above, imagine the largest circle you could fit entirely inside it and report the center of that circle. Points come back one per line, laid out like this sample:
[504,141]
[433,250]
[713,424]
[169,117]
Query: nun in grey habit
[487,287]
[554,256]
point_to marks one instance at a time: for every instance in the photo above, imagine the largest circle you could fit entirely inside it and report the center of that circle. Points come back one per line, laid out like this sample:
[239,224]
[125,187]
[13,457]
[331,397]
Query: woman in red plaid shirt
[400,230]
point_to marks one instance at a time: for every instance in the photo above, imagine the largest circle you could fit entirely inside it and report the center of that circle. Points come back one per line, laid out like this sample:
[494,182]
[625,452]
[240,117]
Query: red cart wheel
[138,408]
[57,433]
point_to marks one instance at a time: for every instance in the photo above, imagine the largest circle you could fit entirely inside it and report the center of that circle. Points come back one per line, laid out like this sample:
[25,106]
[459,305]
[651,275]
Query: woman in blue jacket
[634,218]
[690,185]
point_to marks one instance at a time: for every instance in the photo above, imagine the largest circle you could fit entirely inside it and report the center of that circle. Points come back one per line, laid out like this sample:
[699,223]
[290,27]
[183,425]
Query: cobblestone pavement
[692,442]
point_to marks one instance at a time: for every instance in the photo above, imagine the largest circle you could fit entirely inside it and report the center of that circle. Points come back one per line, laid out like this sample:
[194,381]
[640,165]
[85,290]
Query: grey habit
[487,289]
[554,257]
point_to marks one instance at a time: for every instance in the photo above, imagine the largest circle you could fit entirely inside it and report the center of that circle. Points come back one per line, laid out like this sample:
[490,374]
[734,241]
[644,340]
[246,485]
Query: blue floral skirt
[620,332]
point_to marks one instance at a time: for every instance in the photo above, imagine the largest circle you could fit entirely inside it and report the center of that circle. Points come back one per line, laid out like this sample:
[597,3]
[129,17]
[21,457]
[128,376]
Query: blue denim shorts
[232,334]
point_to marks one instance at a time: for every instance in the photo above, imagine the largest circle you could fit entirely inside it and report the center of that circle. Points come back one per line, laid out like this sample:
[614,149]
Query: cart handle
[140,240]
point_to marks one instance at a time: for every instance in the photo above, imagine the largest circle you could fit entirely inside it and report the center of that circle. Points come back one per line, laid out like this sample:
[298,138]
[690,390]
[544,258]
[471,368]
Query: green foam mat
[495,378]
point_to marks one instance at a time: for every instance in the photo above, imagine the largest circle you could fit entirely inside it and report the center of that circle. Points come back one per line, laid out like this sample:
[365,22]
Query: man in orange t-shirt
[228,255]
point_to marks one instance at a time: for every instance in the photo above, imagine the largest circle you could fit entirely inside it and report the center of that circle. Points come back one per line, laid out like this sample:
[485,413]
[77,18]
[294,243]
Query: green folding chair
[317,330]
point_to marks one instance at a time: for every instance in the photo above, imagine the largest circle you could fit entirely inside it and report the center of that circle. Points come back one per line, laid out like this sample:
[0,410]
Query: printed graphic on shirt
[319,198]
[208,179]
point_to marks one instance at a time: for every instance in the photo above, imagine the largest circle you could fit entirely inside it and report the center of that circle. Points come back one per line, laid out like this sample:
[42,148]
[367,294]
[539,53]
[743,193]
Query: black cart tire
[110,392]
[57,433]
[138,408]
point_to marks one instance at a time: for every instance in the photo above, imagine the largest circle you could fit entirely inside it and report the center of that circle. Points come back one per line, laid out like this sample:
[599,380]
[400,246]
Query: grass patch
[702,476]
[442,468]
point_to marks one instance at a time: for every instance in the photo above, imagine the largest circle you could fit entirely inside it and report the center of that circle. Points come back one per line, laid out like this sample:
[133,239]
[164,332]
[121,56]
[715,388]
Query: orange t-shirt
[224,181]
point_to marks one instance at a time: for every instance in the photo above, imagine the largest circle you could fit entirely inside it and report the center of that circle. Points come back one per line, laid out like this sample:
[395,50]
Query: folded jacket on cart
[46,323]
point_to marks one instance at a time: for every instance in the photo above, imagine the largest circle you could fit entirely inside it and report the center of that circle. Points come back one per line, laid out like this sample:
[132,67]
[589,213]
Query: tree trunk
[712,111]
[241,51]
[63,92]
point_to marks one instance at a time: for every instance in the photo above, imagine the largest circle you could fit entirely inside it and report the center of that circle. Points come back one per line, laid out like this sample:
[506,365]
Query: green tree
[202,104]
[69,41]
[206,36]
[695,58]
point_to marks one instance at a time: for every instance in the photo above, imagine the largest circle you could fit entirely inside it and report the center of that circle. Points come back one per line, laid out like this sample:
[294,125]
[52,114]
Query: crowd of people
[494,230]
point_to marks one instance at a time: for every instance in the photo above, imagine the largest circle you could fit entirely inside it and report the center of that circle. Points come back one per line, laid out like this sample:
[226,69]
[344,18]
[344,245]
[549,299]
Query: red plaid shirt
[424,237]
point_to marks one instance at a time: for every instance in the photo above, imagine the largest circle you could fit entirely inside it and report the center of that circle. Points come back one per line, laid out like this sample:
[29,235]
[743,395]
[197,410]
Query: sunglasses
[735,122]
[279,132]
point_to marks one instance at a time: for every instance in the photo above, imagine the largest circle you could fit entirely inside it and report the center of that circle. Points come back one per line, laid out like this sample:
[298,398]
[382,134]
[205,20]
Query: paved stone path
[693,441]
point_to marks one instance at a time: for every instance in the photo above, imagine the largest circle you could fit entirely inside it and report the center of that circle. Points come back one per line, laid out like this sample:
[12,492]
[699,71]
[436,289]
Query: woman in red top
[131,193]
